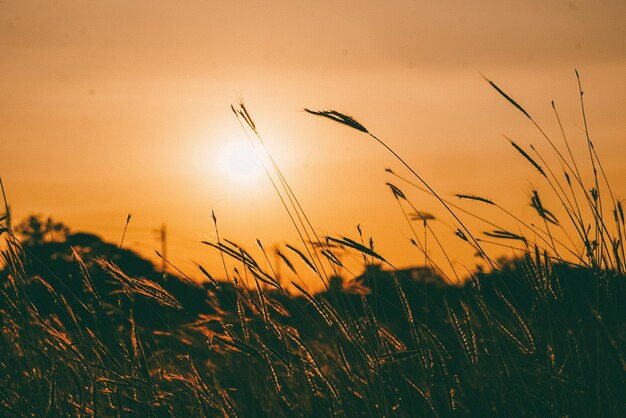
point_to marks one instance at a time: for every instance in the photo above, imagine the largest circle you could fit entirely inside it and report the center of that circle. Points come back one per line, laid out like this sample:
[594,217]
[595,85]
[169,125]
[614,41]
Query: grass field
[543,334]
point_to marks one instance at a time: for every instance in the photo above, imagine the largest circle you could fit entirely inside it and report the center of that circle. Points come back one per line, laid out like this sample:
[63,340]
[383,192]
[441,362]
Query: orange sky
[111,107]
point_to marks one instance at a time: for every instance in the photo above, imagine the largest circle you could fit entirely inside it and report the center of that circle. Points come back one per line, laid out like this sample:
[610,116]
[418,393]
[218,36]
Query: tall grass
[539,335]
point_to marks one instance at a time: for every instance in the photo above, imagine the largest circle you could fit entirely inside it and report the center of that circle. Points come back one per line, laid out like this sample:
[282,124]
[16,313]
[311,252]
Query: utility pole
[163,254]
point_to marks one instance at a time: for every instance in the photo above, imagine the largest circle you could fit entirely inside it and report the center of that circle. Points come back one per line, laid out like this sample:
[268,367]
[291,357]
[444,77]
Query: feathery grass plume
[239,345]
[139,286]
[241,255]
[535,202]
[344,363]
[397,193]
[265,278]
[474,197]
[501,234]
[52,399]
[309,360]
[529,347]
[331,257]
[274,276]
[340,118]
[246,257]
[321,309]
[89,285]
[208,276]
[243,113]
[303,257]
[424,394]
[241,296]
[461,235]
[408,313]
[268,363]
[234,251]
[528,157]
[138,351]
[371,324]
[345,241]
[286,261]
[391,339]
[225,249]
[422,216]
[507,97]
[462,328]
[398,356]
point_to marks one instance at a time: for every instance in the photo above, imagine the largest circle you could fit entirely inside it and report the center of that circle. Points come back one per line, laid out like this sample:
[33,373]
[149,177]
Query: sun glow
[240,162]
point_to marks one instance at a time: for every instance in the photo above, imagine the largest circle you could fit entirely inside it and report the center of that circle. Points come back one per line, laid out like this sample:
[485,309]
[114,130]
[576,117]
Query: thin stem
[436,195]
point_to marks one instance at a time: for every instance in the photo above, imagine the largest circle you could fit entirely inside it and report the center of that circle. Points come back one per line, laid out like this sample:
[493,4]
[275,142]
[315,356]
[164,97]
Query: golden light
[240,162]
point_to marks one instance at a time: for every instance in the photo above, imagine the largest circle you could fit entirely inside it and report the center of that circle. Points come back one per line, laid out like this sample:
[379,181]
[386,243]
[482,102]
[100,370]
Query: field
[88,330]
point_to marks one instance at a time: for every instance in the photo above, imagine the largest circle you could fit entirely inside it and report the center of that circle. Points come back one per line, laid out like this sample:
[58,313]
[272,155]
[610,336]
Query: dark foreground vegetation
[89,329]
[80,337]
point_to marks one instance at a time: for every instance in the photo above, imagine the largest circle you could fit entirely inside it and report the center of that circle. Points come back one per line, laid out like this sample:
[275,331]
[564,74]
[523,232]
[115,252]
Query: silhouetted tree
[50,249]
[35,231]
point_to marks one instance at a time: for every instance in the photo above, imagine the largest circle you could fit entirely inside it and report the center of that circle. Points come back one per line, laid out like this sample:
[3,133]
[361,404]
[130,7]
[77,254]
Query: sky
[116,107]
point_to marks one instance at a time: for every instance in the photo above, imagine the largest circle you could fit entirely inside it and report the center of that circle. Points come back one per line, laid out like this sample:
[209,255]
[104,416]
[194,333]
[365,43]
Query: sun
[240,162]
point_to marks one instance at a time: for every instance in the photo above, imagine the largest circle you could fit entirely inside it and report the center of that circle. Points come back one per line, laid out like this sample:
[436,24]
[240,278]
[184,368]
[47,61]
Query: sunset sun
[239,162]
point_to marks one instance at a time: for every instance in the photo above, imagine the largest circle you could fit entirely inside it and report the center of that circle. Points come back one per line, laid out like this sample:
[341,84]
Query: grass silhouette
[539,335]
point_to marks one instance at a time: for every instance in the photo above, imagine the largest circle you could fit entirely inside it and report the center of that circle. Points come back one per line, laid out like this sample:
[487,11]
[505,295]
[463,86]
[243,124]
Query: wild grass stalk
[290,202]
[349,121]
